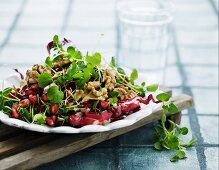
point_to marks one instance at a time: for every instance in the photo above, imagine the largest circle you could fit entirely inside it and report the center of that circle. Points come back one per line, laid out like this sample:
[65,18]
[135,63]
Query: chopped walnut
[62,62]
[124,92]
[109,79]
[91,91]
[33,74]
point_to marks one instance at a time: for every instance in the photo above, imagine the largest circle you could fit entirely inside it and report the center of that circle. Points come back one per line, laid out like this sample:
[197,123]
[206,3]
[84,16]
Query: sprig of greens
[55,95]
[170,139]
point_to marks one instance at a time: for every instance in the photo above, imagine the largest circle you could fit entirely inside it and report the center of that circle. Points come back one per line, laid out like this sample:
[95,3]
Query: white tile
[198,38]
[10,6]
[212,158]
[12,55]
[6,21]
[41,21]
[199,55]
[209,130]
[201,76]
[172,76]
[206,100]
[94,39]
[28,38]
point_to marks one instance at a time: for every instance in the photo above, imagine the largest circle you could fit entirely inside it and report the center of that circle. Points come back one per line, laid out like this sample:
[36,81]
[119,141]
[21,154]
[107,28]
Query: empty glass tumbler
[143,35]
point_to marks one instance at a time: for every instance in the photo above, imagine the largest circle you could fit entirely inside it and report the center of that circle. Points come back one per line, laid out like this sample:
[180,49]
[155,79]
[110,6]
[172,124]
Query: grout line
[214,7]
[12,27]
[66,17]
[210,114]
[195,127]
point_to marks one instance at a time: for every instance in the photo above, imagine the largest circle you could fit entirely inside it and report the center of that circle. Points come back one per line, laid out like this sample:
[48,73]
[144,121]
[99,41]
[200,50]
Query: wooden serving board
[22,149]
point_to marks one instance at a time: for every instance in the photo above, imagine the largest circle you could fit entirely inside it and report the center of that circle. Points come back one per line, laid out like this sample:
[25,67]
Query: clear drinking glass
[144,36]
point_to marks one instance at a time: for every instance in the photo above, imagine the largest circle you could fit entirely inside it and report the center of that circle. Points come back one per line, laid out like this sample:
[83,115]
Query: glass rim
[123,17]
[170,7]
[124,13]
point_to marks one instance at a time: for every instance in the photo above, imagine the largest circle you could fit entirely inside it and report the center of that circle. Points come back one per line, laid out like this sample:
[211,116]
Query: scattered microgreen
[113,101]
[133,76]
[49,62]
[113,62]
[4,97]
[113,94]
[55,95]
[94,106]
[55,40]
[152,88]
[39,119]
[121,71]
[44,79]
[94,60]
[163,97]
[71,71]
[170,138]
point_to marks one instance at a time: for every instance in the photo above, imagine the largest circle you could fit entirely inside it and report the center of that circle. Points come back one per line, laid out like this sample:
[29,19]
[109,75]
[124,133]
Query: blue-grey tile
[201,76]
[88,159]
[212,158]
[142,136]
[205,100]
[148,158]
[209,129]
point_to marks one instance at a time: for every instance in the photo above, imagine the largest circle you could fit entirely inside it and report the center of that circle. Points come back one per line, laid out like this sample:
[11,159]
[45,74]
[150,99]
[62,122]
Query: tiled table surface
[27,25]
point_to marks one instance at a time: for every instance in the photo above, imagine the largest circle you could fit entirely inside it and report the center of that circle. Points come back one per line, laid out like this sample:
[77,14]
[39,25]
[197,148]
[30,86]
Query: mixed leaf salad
[75,90]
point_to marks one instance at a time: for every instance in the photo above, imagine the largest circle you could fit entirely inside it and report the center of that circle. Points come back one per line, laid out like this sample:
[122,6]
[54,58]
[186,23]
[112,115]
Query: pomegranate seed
[75,120]
[103,105]
[106,115]
[44,98]
[91,121]
[54,108]
[29,92]
[14,112]
[117,111]
[41,109]
[50,122]
[35,87]
[24,103]
[54,117]
[33,99]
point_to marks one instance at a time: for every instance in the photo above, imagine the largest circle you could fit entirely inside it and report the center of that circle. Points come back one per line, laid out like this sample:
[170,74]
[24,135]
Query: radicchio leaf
[21,75]
[50,45]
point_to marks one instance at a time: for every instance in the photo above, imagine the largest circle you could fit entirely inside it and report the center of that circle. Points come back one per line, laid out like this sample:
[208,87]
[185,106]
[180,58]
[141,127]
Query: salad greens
[170,138]
[77,90]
